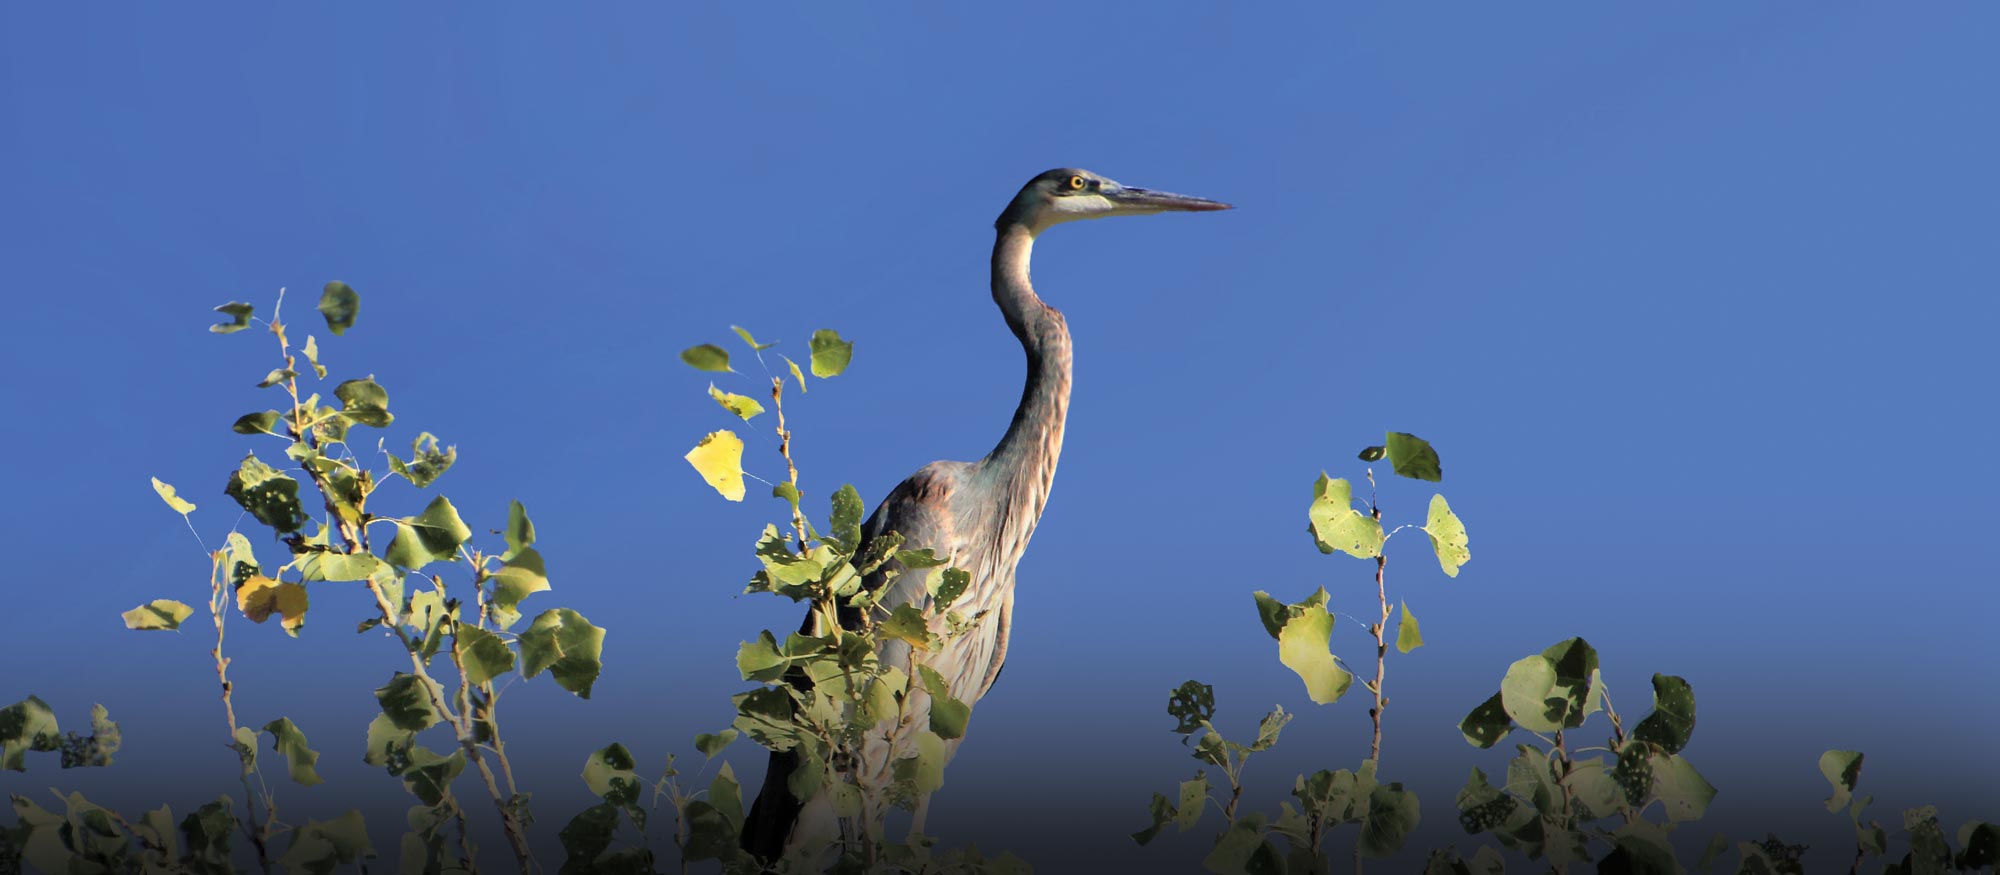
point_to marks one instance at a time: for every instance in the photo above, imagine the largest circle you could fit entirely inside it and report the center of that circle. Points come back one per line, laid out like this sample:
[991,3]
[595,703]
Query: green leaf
[208,830]
[520,531]
[754,345]
[1448,537]
[24,726]
[431,536]
[276,376]
[1577,679]
[906,623]
[1373,454]
[311,350]
[322,846]
[339,304]
[719,461]
[409,703]
[948,715]
[158,614]
[1236,846]
[830,354]
[427,774]
[1842,769]
[271,497]
[1302,647]
[1681,789]
[1163,813]
[239,317]
[710,745]
[610,775]
[707,357]
[923,774]
[340,567]
[522,576]
[1672,720]
[1487,724]
[760,660]
[1392,814]
[567,646]
[1408,636]
[744,406]
[256,423]
[1336,525]
[1193,799]
[486,655]
[1527,694]
[1982,845]
[1641,848]
[364,402]
[1413,457]
[426,463]
[287,739]
[796,374]
[173,499]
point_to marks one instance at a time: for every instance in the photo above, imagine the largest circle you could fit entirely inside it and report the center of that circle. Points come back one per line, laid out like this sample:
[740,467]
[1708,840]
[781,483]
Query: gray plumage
[981,514]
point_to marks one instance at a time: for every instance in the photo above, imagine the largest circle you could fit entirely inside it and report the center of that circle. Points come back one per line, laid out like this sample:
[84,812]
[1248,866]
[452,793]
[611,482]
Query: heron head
[1066,194]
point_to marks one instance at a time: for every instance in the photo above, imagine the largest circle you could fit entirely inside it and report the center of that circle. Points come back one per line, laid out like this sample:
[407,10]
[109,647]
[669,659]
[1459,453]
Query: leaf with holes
[271,497]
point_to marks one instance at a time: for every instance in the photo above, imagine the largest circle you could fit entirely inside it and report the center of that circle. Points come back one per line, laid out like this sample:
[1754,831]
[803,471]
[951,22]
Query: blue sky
[1695,306]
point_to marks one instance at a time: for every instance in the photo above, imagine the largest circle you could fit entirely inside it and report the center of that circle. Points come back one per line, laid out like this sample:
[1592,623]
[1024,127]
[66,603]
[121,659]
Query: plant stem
[1380,631]
[785,449]
[469,740]
[257,832]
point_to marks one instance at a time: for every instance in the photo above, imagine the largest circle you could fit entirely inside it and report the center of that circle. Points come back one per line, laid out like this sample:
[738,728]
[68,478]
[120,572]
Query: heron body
[980,514]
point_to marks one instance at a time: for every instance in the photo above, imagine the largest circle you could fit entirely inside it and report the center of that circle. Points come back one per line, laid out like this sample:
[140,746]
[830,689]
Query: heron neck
[1025,459]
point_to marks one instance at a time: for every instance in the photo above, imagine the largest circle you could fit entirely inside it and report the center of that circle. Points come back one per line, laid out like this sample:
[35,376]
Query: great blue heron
[982,513]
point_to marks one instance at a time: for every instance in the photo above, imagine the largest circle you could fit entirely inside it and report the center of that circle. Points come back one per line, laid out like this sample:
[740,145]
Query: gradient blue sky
[1696,306]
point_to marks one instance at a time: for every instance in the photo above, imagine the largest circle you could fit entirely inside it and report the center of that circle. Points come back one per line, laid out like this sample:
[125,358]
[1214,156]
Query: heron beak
[1141,201]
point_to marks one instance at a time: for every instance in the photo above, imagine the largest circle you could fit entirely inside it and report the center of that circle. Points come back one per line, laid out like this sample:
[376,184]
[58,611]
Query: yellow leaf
[259,596]
[743,406]
[167,494]
[719,460]
[1447,536]
[164,614]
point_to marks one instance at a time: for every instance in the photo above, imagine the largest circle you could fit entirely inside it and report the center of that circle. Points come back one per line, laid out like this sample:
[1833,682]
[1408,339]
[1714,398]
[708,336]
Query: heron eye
[1076,183]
